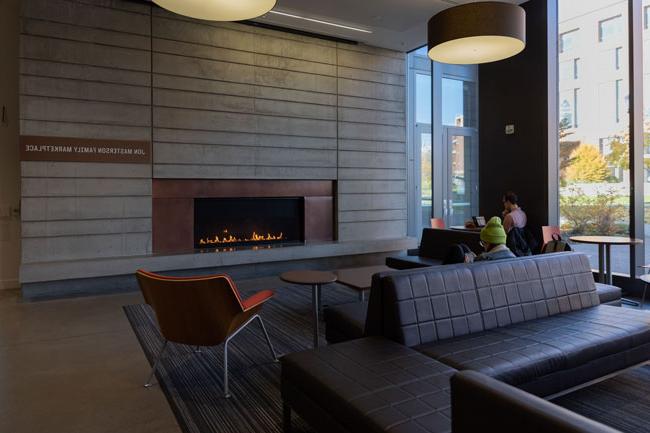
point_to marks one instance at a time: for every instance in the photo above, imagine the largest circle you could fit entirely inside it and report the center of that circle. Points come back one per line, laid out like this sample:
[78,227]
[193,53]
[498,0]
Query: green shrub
[600,214]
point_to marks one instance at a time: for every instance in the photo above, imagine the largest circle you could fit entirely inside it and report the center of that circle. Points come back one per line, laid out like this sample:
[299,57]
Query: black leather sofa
[535,323]
[367,385]
[482,404]
[434,245]
[349,321]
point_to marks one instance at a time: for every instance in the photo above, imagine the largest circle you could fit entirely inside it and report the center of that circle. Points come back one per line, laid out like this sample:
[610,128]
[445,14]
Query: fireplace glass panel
[229,222]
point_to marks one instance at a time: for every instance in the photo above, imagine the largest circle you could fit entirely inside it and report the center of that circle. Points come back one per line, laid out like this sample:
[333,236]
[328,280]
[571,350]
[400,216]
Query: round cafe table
[604,251]
[315,279]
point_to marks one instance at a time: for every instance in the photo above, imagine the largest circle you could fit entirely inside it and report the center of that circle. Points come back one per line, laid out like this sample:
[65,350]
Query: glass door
[461,178]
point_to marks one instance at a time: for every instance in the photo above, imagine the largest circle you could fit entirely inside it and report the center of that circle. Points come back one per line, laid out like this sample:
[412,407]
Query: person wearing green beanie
[493,240]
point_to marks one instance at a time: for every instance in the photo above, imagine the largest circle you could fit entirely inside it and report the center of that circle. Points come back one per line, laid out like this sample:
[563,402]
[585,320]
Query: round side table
[315,279]
[604,251]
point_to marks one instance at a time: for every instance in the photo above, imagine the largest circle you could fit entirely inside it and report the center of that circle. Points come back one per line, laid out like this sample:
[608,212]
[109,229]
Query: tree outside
[587,166]
[593,200]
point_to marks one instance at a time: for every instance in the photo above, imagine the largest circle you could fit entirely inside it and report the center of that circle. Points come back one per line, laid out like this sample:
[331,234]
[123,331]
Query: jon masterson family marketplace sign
[33,148]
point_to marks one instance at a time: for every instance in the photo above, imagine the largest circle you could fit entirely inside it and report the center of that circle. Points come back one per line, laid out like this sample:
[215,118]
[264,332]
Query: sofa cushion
[345,322]
[509,358]
[608,294]
[371,385]
[525,351]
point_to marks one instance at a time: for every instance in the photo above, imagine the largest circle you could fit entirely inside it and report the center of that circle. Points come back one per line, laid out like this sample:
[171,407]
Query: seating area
[534,323]
[275,216]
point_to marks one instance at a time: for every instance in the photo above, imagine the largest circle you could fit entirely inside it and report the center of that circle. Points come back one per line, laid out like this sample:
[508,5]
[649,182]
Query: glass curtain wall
[458,121]
[420,141]
[443,142]
[594,123]
[646,122]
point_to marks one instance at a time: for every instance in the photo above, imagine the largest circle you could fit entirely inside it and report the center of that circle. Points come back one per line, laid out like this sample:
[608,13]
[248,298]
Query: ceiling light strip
[327,23]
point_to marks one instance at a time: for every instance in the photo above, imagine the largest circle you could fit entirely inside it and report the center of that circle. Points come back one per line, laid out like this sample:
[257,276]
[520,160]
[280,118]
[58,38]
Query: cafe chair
[200,311]
[547,234]
[437,223]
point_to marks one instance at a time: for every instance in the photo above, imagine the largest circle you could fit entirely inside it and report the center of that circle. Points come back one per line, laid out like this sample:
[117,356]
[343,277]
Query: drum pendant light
[476,33]
[218,10]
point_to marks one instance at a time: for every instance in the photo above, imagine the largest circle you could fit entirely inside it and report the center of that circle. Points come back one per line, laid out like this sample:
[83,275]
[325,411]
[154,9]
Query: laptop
[479,221]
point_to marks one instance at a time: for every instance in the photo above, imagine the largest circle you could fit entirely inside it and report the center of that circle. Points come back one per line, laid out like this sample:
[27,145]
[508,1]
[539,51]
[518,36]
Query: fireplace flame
[230,239]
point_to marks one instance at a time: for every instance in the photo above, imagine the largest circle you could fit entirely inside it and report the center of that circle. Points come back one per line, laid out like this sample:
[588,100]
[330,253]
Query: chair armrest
[257,299]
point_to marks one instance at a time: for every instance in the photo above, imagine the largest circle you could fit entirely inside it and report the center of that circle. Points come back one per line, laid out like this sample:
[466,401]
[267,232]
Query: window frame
[601,34]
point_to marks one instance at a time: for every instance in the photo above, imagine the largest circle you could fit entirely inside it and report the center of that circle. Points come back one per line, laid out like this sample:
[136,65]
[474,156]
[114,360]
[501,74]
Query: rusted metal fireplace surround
[174,210]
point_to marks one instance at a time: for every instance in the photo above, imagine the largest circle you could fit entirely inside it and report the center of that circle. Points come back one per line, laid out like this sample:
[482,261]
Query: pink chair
[437,223]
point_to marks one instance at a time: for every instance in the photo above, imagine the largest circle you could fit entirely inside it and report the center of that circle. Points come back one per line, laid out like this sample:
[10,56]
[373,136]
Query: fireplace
[185,211]
[248,221]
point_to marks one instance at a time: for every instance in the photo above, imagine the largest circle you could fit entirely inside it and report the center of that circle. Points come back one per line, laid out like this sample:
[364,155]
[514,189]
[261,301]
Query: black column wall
[515,91]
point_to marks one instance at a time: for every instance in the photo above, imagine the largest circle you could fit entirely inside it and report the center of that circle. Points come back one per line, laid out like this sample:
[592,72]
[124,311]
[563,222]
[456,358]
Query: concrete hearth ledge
[107,267]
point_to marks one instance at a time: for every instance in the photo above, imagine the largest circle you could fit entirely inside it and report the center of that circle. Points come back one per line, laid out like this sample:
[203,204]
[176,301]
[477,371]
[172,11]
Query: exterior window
[619,100]
[458,108]
[566,71]
[566,113]
[646,17]
[443,143]
[569,70]
[568,40]
[604,145]
[576,95]
[610,28]
[419,131]
[593,154]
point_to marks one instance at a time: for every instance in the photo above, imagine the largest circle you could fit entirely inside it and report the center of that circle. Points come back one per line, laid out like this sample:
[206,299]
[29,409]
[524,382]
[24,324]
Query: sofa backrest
[428,304]
[435,243]
[532,288]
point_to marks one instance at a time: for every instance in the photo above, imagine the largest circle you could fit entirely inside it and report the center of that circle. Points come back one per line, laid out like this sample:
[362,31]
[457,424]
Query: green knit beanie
[493,232]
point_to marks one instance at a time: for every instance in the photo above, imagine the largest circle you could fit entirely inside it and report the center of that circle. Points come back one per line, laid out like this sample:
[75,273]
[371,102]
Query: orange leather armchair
[200,311]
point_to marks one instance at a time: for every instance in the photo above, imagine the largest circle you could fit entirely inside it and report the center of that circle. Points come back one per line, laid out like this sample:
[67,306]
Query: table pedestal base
[315,305]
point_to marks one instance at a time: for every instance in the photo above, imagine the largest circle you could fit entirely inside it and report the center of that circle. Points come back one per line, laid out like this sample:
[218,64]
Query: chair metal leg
[266,335]
[148,384]
[226,389]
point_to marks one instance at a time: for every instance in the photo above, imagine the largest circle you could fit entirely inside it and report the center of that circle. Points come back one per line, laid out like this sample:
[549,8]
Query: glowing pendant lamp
[218,10]
[476,33]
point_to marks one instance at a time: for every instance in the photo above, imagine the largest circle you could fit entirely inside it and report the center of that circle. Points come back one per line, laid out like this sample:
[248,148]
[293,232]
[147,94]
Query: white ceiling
[395,24]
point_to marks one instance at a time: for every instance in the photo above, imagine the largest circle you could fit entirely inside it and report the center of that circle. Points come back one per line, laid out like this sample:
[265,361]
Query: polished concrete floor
[75,366]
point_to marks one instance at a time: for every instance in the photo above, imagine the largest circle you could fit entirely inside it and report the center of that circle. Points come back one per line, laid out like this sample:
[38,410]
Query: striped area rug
[193,382]
[622,402]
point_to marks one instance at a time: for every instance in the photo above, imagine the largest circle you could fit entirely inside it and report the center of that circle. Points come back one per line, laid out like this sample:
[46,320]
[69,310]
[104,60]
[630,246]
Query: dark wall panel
[515,91]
